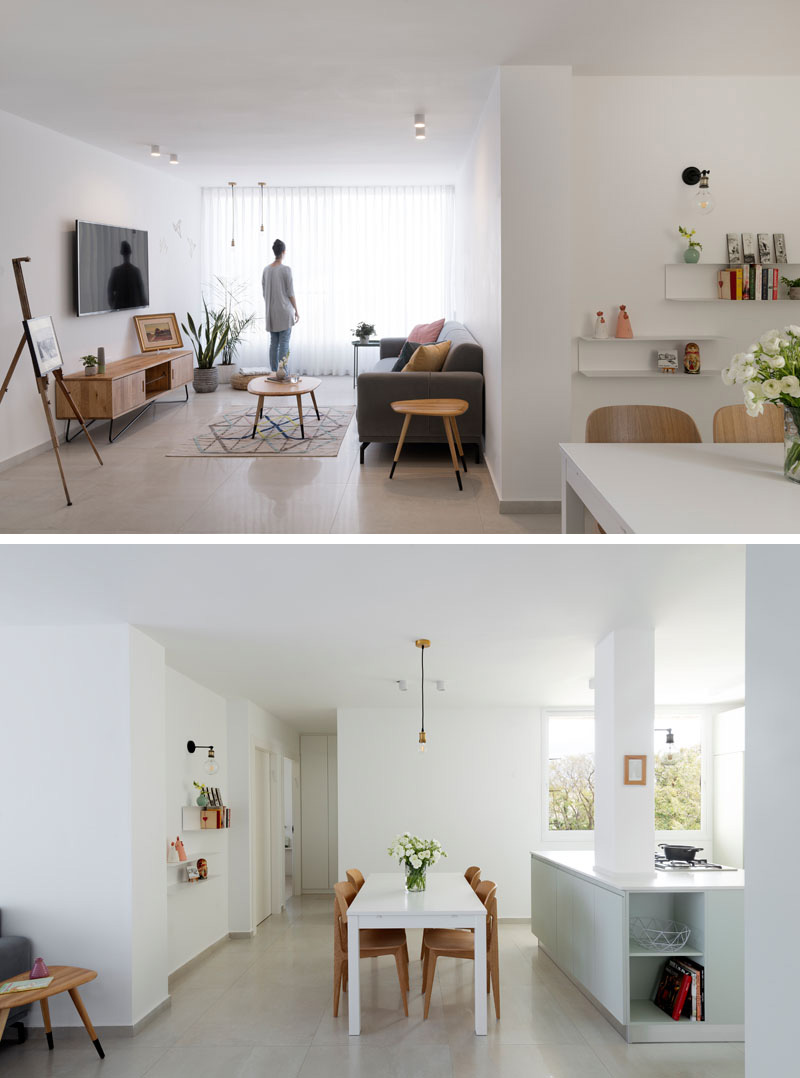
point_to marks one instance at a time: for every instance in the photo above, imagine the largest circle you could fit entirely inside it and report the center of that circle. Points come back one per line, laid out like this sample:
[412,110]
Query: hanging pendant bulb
[232,184]
[703,199]
[211,767]
[262,186]
[423,740]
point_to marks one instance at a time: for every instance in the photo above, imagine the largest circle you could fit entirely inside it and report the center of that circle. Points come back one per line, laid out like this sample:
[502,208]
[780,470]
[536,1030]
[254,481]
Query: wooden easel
[42,381]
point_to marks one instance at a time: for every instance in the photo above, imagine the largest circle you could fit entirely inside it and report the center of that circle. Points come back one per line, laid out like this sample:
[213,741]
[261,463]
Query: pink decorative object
[39,969]
[624,328]
[180,848]
[426,333]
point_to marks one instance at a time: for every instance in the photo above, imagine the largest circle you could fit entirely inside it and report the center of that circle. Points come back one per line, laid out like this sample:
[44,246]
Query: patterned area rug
[278,434]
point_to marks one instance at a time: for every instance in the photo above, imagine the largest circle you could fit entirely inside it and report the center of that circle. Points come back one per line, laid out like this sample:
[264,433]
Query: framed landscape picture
[764,248]
[780,247]
[157,331]
[43,343]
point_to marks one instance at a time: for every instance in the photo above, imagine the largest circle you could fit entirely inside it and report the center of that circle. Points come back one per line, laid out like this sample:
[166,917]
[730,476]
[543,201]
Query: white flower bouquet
[769,372]
[417,854]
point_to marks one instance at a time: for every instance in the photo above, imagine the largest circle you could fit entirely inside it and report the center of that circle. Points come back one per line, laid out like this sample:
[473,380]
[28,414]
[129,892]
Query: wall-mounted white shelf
[696,282]
[183,885]
[635,357]
[191,820]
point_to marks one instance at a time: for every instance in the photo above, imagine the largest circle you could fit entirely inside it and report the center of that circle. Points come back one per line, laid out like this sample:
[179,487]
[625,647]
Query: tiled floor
[140,489]
[263,1007]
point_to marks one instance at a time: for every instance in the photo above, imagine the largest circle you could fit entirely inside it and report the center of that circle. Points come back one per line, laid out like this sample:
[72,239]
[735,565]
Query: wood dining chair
[374,943]
[472,873]
[733,424]
[455,943]
[640,423]
[355,877]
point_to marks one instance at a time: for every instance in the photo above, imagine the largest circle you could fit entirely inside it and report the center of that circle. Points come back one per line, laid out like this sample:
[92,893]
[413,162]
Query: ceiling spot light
[211,767]
[173,159]
[419,125]
[155,151]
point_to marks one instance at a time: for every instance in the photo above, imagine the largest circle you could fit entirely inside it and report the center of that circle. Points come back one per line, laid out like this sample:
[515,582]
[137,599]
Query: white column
[772,751]
[624,713]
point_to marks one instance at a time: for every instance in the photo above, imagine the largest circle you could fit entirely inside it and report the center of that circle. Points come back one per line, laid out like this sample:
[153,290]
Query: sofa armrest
[391,346]
[376,391]
[15,956]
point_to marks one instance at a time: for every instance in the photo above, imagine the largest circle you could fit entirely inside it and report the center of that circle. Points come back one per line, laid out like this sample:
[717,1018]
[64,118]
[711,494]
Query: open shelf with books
[698,282]
[637,357]
[195,818]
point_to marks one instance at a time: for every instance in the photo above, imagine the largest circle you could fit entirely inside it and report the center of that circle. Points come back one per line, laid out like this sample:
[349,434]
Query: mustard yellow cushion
[428,357]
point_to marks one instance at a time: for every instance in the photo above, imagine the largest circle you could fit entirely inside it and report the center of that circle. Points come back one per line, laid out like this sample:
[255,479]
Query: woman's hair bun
[278,247]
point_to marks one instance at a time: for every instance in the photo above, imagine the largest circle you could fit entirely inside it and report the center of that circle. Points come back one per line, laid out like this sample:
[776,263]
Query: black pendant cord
[422,687]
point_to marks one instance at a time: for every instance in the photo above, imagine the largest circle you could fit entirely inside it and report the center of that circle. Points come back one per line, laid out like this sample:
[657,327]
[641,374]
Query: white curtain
[375,254]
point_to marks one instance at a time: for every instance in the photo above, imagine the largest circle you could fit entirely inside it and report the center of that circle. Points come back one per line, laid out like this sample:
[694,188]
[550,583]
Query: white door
[262,861]
[297,883]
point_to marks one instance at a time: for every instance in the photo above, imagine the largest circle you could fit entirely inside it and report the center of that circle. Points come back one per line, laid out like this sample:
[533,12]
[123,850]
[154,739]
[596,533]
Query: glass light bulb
[702,200]
[211,767]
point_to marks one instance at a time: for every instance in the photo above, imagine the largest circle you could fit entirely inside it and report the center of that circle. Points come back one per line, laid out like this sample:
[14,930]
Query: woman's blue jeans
[278,346]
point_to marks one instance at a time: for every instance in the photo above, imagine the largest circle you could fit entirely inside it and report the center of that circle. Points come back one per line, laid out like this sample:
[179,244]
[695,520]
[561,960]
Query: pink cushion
[426,334]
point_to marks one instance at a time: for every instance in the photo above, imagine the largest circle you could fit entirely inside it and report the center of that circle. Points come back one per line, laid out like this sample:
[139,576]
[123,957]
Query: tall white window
[375,254]
[678,767]
[570,771]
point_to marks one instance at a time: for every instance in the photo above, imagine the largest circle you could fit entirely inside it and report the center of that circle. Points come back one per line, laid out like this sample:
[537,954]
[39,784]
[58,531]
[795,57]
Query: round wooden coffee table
[65,979]
[266,387]
[447,408]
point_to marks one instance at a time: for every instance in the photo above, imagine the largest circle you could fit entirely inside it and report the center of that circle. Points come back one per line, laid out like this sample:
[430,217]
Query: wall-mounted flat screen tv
[111,268]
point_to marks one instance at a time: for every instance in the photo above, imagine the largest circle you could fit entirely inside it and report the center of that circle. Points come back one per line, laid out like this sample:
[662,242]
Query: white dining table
[447,902]
[703,488]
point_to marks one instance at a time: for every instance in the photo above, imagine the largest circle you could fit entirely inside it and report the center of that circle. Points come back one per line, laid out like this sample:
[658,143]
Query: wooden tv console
[127,384]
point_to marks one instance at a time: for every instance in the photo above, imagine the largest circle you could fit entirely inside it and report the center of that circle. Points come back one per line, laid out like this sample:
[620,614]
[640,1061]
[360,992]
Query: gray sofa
[15,957]
[461,376]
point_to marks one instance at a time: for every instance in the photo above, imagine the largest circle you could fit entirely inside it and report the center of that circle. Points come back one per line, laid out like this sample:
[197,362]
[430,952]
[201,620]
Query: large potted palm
[210,337]
[232,295]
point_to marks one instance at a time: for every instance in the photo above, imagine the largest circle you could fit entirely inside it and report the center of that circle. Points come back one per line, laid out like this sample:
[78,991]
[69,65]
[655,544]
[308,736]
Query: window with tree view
[570,744]
[678,771]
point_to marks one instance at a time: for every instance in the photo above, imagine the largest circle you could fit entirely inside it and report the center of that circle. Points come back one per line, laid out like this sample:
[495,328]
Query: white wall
[148,770]
[48,181]
[477,790]
[318,852]
[728,786]
[632,138]
[197,913]
[65,773]
[477,263]
[773,879]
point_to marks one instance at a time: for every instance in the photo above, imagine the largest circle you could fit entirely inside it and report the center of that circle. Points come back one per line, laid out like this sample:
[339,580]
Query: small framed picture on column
[635,771]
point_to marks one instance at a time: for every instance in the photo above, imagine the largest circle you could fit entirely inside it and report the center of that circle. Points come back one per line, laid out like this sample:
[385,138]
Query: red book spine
[680,999]
[775,283]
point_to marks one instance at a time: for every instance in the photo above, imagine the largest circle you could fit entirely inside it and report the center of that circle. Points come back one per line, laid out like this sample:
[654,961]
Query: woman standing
[278,288]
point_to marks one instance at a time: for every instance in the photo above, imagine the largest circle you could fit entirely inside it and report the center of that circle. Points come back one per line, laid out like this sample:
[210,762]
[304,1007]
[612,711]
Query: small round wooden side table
[65,979]
[266,387]
[447,408]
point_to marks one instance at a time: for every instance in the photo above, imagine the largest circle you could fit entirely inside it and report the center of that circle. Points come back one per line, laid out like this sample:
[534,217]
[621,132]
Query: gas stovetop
[698,865]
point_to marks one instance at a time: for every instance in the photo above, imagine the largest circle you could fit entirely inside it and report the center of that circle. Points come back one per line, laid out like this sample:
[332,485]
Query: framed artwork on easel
[43,343]
[157,331]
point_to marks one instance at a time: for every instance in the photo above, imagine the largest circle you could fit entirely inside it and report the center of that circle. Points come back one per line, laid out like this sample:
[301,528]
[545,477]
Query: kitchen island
[581,918]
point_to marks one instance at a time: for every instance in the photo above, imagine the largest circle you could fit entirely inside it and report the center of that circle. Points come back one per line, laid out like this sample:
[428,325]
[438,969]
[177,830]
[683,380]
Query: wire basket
[655,934]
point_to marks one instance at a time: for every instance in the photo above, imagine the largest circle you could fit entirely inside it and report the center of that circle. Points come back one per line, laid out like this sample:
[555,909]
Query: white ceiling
[305,628]
[320,93]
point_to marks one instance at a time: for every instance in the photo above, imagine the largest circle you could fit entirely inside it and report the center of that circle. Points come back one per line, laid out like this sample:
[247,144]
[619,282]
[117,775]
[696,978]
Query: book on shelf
[693,1007]
[756,282]
[672,989]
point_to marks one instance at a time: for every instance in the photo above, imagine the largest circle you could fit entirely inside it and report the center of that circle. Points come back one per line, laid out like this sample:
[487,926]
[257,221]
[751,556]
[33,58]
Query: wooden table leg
[259,406]
[406,421]
[48,1030]
[79,1007]
[300,414]
[4,1013]
[457,437]
[314,402]
[449,434]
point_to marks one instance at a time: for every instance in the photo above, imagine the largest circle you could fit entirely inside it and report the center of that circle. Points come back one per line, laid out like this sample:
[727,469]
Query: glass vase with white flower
[417,854]
[769,373]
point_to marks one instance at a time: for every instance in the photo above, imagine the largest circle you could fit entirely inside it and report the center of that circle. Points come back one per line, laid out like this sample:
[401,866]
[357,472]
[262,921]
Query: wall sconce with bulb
[211,767]
[701,199]
[670,757]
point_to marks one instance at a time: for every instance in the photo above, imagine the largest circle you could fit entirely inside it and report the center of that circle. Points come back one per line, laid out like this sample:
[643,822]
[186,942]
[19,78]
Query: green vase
[691,254]
[202,801]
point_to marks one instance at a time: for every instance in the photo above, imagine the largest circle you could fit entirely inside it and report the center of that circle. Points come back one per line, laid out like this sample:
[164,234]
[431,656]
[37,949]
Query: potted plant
[237,323]
[210,337]
[89,364]
[692,252]
[363,331]
[793,286]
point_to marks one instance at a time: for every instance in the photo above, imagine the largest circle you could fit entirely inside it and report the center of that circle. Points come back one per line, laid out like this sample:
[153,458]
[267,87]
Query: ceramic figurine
[202,868]
[600,327]
[39,969]
[691,358]
[172,854]
[624,328]
[180,848]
